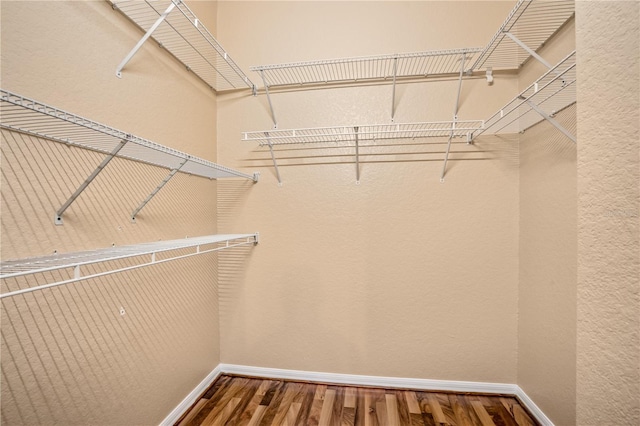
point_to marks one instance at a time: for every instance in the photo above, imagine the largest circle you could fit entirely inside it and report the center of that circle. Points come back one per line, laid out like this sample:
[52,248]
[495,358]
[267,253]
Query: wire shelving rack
[550,94]
[21,114]
[178,30]
[70,266]
[527,28]
[351,136]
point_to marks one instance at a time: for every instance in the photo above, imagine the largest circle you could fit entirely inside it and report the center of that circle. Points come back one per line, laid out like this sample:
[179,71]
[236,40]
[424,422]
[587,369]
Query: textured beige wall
[68,357]
[400,275]
[548,253]
[608,344]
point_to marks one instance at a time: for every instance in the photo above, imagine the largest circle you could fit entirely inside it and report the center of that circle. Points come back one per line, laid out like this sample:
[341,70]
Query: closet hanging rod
[73,262]
[179,31]
[530,23]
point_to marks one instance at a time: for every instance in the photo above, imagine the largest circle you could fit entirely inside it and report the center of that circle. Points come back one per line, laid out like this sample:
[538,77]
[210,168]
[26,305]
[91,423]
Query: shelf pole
[83,186]
[551,120]
[455,119]
[273,157]
[393,93]
[144,38]
[266,89]
[158,188]
[357,157]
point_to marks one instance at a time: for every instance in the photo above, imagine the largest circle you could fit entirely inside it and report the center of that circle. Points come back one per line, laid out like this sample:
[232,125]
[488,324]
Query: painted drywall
[400,275]
[68,356]
[548,252]
[608,294]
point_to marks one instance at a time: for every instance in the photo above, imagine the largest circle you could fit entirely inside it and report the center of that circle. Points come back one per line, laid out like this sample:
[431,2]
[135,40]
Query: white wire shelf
[74,261]
[550,94]
[351,136]
[177,29]
[365,132]
[532,23]
[31,117]
[366,68]
[35,118]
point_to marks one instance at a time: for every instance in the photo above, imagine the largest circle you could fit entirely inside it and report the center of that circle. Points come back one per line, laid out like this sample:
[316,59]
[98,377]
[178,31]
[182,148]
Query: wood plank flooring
[233,400]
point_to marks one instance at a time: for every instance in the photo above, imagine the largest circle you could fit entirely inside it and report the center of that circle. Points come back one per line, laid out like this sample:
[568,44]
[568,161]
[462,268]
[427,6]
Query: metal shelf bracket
[58,217]
[158,188]
[455,119]
[146,36]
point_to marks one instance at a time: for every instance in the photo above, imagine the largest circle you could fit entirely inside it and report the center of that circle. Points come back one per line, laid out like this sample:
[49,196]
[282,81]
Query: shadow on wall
[109,349]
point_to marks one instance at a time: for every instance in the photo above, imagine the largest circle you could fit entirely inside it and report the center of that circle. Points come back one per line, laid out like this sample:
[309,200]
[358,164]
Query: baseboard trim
[532,407]
[357,380]
[190,399]
[377,381]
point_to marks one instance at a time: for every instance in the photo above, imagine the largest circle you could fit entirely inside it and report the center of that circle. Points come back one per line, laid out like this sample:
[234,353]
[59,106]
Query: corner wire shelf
[385,68]
[356,134]
[527,28]
[177,29]
[21,114]
[72,264]
[551,93]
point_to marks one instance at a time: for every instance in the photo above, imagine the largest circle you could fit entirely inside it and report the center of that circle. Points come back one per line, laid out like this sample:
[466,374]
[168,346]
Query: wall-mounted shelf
[177,29]
[71,265]
[366,69]
[353,135]
[527,28]
[28,116]
[550,94]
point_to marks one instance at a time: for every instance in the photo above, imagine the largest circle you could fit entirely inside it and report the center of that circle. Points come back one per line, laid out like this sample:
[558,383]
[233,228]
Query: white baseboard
[190,399]
[377,381]
[358,380]
[533,408]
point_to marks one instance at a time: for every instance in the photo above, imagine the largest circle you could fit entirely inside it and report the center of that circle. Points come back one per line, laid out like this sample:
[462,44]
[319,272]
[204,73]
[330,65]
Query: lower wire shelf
[72,262]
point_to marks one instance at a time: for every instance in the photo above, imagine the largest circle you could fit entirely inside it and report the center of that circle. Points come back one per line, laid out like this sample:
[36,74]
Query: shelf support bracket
[551,120]
[273,157]
[455,119]
[266,89]
[144,38]
[357,157]
[158,188]
[530,51]
[83,186]
[393,93]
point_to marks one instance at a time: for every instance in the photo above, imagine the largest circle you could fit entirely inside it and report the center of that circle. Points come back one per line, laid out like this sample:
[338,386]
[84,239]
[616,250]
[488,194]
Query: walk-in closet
[320,212]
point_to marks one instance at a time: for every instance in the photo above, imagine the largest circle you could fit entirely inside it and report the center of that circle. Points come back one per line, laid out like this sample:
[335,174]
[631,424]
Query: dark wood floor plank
[214,399]
[458,406]
[316,406]
[290,392]
[305,397]
[274,403]
[245,401]
[235,387]
[254,403]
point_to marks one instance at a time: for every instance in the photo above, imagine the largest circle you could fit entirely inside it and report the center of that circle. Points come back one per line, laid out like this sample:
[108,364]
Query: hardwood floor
[235,400]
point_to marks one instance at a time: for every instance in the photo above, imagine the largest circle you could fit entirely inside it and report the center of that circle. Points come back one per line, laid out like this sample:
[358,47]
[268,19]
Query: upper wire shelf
[531,23]
[35,118]
[366,68]
[365,132]
[550,94]
[74,261]
[177,29]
